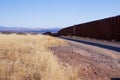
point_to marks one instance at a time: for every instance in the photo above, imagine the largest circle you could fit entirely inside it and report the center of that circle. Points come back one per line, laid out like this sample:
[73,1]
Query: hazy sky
[55,13]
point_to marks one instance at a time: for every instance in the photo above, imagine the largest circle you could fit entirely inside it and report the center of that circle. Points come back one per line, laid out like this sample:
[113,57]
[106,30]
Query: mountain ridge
[28,30]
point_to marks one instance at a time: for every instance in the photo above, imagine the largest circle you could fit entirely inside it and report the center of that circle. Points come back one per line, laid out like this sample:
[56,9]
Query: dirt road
[93,62]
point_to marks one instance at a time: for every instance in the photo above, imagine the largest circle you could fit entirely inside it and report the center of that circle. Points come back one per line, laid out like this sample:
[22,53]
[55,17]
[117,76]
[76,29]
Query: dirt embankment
[93,63]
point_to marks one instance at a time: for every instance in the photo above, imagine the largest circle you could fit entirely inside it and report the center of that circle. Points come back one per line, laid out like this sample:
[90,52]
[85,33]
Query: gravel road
[92,62]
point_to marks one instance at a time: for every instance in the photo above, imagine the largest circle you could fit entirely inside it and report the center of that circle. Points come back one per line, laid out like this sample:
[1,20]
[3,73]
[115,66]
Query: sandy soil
[93,63]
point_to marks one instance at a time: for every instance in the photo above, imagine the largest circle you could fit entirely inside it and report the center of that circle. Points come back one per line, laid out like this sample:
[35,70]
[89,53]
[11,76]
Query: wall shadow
[95,44]
[115,78]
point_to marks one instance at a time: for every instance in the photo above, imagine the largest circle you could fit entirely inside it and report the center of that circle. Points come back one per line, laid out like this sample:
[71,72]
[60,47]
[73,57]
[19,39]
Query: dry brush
[27,57]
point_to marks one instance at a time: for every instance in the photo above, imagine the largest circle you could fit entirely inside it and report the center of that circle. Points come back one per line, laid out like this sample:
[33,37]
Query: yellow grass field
[27,57]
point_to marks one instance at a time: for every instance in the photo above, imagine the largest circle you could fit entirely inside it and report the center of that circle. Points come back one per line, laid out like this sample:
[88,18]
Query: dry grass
[26,57]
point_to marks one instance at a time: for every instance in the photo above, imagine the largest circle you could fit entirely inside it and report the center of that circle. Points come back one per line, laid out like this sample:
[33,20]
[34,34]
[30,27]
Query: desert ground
[40,57]
[93,62]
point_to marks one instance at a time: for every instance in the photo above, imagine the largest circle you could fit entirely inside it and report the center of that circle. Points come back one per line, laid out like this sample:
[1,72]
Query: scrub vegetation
[27,57]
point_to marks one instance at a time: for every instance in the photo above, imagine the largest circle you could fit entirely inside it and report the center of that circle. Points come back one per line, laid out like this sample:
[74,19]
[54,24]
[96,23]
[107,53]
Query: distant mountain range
[28,30]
